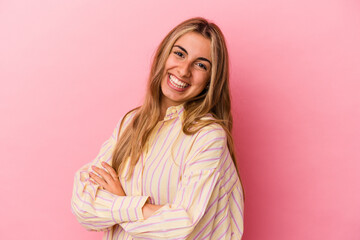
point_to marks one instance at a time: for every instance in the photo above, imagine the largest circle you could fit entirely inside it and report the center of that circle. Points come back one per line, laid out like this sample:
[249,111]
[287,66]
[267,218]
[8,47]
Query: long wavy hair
[214,99]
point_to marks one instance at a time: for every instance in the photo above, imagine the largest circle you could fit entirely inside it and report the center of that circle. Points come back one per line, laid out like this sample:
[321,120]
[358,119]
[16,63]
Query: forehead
[195,44]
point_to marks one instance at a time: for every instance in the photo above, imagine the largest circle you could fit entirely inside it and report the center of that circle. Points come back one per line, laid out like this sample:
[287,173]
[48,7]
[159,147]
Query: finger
[104,174]
[92,181]
[98,179]
[110,169]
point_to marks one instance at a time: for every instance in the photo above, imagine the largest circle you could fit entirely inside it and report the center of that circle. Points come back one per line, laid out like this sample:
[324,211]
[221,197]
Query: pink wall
[70,69]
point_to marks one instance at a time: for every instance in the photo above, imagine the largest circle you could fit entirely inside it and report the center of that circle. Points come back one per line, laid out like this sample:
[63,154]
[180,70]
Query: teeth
[177,82]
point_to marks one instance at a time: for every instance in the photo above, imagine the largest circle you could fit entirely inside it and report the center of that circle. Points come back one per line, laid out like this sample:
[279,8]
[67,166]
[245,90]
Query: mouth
[177,84]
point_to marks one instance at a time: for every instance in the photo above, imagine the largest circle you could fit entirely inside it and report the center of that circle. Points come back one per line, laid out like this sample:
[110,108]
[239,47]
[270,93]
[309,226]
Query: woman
[168,170]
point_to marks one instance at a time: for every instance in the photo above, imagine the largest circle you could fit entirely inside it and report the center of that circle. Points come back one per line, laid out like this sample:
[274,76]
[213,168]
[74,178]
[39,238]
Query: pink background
[70,69]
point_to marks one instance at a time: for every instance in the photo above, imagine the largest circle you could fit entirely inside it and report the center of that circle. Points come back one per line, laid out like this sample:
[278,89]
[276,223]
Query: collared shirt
[192,176]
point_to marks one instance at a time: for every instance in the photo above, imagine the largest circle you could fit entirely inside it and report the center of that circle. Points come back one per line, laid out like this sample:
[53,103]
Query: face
[187,69]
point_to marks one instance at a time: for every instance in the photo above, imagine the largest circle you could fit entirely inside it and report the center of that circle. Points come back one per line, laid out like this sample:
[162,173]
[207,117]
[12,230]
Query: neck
[162,112]
[164,106]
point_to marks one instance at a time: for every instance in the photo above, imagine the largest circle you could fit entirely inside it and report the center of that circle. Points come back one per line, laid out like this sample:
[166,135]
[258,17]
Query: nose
[184,69]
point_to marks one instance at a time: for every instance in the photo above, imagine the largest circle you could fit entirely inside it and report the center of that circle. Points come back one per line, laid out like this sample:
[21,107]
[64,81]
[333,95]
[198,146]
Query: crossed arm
[110,182]
[99,201]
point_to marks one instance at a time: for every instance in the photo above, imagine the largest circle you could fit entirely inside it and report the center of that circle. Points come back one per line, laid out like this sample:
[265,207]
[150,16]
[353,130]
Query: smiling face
[187,69]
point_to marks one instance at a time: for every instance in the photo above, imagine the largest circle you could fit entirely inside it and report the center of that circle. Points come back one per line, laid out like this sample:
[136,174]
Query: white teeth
[177,82]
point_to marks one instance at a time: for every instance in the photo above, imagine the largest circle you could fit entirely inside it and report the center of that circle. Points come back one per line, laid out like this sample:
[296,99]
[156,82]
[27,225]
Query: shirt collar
[174,111]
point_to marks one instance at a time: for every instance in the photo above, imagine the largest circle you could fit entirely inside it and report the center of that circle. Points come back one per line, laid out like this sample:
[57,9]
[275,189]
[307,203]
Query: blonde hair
[133,139]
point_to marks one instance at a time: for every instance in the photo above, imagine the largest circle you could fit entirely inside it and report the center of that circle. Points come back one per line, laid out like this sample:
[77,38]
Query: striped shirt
[192,176]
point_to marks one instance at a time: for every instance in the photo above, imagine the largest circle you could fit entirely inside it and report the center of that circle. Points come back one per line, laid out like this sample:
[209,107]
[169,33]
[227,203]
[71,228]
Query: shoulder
[208,148]
[128,117]
[124,122]
[211,130]
[213,133]
[210,136]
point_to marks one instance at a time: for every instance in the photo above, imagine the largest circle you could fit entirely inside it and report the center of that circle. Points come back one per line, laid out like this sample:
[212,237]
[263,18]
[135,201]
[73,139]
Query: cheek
[201,79]
[170,62]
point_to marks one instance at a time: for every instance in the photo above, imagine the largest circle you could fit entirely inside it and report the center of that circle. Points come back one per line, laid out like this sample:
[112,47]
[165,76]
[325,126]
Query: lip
[173,86]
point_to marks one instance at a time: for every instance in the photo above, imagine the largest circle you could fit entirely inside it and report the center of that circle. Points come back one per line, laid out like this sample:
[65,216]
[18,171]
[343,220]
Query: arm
[109,181]
[178,219]
[96,208]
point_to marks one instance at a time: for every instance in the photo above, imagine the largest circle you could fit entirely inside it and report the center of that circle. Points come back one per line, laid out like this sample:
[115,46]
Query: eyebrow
[200,58]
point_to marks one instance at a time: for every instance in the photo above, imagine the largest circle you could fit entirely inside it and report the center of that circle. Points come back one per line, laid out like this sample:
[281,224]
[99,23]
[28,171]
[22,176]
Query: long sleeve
[199,182]
[96,208]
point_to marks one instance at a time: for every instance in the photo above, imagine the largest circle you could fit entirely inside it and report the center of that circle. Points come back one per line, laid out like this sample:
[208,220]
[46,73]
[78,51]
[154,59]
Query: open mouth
[177,84]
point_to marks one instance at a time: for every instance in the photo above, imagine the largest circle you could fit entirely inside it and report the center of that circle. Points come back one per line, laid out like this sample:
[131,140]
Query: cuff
[128,208]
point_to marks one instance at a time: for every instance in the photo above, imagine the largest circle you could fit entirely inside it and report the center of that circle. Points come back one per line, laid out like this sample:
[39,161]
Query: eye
[180,54]
[202,66]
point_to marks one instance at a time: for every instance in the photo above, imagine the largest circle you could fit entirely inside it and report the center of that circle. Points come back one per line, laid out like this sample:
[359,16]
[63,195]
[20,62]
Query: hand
[108,180]
[149,209]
